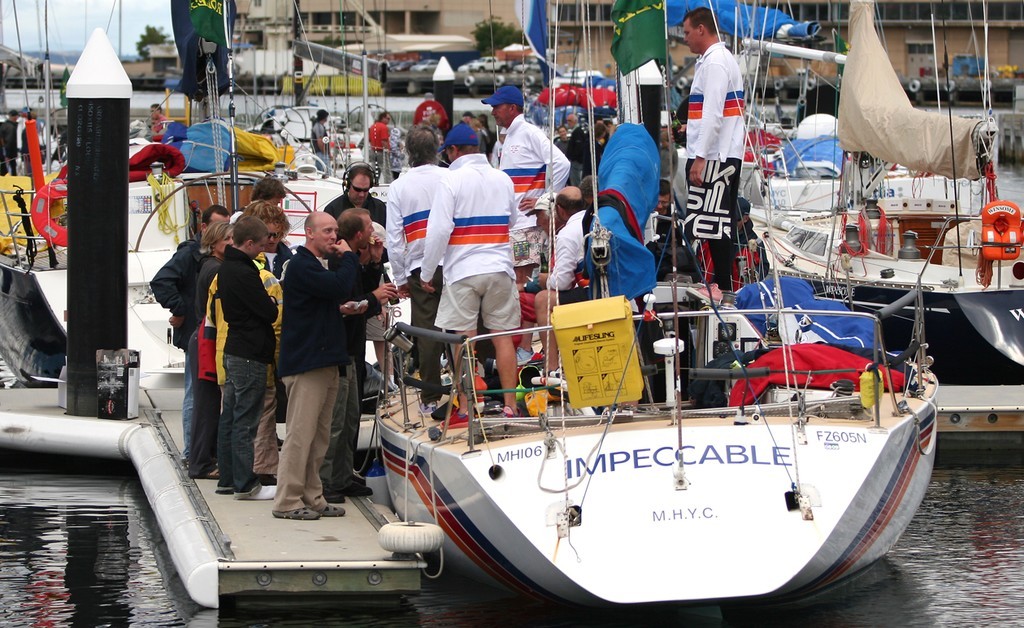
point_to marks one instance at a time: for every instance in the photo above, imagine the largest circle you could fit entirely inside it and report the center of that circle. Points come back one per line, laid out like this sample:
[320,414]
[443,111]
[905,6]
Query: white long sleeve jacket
[531,159]
[714,122]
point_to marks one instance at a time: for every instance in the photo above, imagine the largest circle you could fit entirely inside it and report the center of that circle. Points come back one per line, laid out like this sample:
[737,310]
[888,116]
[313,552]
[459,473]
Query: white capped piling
[99,100]
[444,87]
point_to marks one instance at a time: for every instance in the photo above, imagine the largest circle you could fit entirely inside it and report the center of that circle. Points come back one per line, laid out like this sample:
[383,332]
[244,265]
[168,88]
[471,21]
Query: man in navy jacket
[313,349]
[174,287]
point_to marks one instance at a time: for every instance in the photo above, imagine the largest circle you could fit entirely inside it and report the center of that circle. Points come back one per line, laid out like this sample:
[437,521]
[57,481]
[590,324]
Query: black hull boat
[33,343]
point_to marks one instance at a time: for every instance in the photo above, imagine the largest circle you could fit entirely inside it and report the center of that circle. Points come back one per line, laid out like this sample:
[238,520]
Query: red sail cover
[571,95]
[169,156]
[808,357]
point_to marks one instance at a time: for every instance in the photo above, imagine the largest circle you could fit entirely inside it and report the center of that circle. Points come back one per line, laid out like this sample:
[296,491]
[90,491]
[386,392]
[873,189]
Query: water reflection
[85,551]
[79,551]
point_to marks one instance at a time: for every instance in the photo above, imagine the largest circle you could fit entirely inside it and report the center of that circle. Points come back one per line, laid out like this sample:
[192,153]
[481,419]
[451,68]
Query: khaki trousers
[307,429]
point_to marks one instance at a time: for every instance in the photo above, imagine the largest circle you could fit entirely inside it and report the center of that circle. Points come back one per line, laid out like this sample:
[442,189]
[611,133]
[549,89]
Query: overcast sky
[72,21]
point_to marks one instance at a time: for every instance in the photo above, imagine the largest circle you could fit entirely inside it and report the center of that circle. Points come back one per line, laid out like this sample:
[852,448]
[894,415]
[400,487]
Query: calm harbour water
[84,550]
[79,549]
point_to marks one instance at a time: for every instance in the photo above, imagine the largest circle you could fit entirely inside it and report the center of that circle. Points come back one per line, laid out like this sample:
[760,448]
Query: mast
[47,86]
[233,153]
[296,59]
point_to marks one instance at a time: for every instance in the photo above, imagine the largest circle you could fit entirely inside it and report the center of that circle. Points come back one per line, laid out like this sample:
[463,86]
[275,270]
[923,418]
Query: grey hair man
[409,203]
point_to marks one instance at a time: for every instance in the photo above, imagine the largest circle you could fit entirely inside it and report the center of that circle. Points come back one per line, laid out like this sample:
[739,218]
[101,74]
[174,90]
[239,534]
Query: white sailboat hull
[729,536]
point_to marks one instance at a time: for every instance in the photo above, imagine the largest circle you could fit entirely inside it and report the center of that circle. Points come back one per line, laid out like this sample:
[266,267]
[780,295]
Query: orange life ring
[51,231]
[1000,231]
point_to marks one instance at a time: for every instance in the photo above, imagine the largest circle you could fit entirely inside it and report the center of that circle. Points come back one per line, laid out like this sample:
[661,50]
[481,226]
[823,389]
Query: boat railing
[25,243]
[465,366]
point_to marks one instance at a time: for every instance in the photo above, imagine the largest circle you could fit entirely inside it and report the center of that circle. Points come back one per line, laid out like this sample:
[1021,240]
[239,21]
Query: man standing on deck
[174,287]
[250,313]
[714,142]
[313,351]
[525,157]
[379,139]
[409,203]
[468,228]
[577,150]
[359,180]
[320,139]
[9,138]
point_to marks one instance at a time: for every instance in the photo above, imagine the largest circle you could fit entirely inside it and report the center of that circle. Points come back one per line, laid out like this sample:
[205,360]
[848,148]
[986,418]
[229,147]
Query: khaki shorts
[493,295]
[527,245]
[375,328]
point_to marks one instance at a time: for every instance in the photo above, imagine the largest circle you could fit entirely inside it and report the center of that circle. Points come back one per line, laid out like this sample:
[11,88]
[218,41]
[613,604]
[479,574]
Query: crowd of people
[269,330]
[474,240]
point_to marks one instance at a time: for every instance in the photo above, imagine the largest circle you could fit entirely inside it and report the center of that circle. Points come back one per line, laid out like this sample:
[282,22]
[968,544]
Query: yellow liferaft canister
[596,341]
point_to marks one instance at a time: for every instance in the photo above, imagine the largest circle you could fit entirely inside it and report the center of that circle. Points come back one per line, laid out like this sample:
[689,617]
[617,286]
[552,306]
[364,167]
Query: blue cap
[505,95]
[461,135]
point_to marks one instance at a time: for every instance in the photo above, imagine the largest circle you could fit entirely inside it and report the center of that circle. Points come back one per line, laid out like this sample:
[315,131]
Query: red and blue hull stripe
[888,504]
[459,527]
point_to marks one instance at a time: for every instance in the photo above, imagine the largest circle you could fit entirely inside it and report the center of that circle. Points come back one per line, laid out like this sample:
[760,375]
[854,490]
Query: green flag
[639,34]
[842,47]
[64,88]
[208,20]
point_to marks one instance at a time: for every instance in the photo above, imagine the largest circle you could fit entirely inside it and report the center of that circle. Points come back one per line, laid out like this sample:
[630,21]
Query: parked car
[527,65]
[483,64]
[400,66]
[579,77]
[427,65]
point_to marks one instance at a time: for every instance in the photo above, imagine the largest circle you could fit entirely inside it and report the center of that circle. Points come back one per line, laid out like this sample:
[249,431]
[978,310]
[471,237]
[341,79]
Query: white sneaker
[259,492]
[523,356]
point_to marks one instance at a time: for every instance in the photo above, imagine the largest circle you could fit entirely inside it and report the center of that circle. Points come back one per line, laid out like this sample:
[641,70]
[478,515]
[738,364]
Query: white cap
[99,73]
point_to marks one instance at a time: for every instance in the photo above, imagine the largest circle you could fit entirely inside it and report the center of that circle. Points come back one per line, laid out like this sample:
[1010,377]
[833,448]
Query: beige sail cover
[875,115]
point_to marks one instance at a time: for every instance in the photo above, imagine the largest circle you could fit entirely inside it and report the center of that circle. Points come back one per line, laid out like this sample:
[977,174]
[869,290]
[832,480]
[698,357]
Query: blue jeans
[245,384]
[191,368]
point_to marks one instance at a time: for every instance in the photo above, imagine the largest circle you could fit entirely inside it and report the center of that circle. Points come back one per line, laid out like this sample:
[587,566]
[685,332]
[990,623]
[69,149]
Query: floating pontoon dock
[221,547]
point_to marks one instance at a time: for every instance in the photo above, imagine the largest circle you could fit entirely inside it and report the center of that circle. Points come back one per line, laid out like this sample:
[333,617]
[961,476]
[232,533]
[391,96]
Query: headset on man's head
[360,167]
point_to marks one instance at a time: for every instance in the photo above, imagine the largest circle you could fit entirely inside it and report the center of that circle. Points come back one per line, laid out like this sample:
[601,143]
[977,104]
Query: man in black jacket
[336,472]
[248,351]
[9,138]
[358,181]
[578,149]
[174,287]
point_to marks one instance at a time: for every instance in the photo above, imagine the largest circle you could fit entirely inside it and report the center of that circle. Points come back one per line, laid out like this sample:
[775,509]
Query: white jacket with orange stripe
[714,123]
[469,222]
[531,159]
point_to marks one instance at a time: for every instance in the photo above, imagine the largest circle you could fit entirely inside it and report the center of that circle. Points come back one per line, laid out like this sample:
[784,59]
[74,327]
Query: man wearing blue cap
[535,166]
[468,228]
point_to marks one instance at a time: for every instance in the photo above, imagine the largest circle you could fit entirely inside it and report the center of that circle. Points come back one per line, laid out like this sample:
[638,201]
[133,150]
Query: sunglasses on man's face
[360,190]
